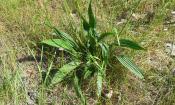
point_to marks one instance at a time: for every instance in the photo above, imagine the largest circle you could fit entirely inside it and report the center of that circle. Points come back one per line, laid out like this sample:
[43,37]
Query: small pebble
[61,49]
[165,29]
[54,34]
[121,22]
[173,13]
[173,71]
[170,49]
[109,94]
[33,96]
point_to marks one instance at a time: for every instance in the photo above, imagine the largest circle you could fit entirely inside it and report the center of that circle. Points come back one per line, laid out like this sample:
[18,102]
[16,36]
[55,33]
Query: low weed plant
[90,54]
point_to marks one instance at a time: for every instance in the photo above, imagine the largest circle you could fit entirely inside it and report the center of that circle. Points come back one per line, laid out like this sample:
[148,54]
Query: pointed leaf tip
[92,20]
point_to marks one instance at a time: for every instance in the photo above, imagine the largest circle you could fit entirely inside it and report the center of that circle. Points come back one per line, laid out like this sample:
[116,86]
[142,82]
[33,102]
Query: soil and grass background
[150,23]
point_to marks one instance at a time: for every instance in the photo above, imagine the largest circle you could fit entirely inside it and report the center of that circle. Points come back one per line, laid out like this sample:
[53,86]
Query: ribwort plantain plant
[90,55]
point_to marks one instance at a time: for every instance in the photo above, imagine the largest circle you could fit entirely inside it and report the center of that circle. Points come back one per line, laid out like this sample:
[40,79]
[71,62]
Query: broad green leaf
[64,71]
[129,44]
[130,65]
[92,20]
[59,43]
[59,33]
[66,37]
[104,35]
[63,34]
[78,91]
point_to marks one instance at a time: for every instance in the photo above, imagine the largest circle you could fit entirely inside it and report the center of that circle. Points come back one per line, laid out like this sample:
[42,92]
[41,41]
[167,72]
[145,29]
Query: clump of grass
[13,90]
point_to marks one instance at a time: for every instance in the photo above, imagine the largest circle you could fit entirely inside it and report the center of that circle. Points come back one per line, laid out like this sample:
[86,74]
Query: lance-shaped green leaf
[66,37]
[60,33]
[129,44]
[130,65]
[78,91]
[100,76]
[64,71]
[86,25]
[92,20]
[59,43]
[104,35]
[99,82]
